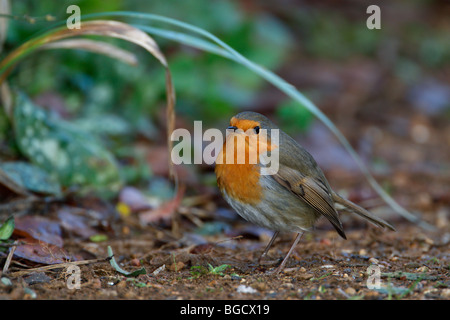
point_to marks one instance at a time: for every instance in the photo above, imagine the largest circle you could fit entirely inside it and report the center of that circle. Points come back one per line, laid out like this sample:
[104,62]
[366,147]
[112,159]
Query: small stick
[57,266]
[8,259]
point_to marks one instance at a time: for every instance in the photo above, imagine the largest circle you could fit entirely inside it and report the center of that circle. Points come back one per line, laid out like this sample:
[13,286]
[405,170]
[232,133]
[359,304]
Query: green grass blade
[116,266]
[186,39]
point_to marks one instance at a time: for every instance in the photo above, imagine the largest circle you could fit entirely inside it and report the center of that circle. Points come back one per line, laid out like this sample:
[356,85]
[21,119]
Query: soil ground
[411,264]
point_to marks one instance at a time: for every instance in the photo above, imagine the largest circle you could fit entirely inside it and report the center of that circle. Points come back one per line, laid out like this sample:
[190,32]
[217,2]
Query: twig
[57,266]
[13,244]
[239,237]
[8,259]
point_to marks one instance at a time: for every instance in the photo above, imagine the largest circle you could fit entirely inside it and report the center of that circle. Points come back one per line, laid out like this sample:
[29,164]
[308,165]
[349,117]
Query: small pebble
[176,266]
[289,270]
[260,286]
[350,291]
[288,285]
[305,276]
[96,283]
[135,262]
[29,294]
[159,270]
[422,269]
[372,294]
[121,284]
[5,281]
[445,293]
[236,277]
[245,289]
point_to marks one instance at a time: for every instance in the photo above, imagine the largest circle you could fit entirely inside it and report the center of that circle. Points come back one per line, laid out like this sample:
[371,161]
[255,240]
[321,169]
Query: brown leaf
[40,229]
[76,223]
[42,252]
[201,248]
[42,241]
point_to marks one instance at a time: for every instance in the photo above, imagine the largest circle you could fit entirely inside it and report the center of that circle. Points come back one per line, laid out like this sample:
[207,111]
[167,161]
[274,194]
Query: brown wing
[312,191]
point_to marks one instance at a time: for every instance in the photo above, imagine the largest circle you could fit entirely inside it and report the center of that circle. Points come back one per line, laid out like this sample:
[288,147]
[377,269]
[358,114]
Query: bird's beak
[234,128]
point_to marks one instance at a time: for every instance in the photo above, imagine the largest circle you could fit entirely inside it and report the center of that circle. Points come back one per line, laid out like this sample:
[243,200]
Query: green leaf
[98,237]
[218,269]
[74,157]
[294,117]
[7,228]
[114,264]
[31,177]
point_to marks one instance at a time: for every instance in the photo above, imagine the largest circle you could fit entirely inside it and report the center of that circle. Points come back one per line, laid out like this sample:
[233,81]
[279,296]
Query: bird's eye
[256,129]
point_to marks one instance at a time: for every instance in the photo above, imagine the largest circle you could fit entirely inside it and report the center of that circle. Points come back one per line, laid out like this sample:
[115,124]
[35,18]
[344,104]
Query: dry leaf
[95,46]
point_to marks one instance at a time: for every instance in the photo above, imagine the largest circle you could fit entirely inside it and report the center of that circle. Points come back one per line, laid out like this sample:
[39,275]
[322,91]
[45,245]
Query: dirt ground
[411,263]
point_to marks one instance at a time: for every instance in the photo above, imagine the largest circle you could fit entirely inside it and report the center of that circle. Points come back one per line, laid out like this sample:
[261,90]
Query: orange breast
[239,181]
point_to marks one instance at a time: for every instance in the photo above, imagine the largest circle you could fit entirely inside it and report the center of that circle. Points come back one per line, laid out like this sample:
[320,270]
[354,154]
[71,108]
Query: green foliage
[110,103]
[198,271]
[208,87]
[331,35]
[294,118]
[72,156]
[30,177]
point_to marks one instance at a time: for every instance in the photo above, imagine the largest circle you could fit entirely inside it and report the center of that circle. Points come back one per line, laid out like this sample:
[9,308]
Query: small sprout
[198,271]
[7,228]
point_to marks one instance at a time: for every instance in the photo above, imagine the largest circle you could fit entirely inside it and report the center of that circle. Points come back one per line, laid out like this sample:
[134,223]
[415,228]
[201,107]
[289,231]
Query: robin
[289,200]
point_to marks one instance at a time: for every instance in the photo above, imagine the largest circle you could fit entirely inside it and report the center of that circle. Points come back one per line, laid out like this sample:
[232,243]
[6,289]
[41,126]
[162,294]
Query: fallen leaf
[42,252]
[201,248]
[31,177]
[40,229]
[7,228]
[72,221]
[42,240]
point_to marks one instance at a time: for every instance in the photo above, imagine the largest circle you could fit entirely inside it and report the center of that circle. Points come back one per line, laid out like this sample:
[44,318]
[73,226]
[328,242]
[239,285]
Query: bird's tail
[362,212]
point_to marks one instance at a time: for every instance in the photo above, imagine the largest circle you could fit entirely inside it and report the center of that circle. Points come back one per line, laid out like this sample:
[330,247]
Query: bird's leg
[268,246]
[281,266]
